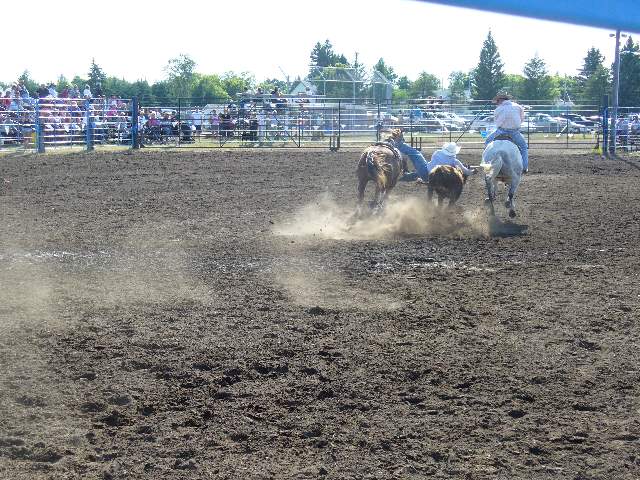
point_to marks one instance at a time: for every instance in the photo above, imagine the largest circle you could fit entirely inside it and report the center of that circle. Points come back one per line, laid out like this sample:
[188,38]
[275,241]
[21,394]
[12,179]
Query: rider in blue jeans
[509,117]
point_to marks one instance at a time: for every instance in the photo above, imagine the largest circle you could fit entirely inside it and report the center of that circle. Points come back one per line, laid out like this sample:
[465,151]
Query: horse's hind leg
[511,206]
[362,184]
[490,195]
[378,199]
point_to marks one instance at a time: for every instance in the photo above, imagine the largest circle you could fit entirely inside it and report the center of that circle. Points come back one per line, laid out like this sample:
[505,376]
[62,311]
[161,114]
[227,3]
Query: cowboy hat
[450,149]
[501,96]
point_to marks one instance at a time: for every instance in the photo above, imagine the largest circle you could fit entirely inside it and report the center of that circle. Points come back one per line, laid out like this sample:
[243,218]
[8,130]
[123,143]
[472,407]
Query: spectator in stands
[6,100]
[74,92]
[196,118]
[42,91]
[262,124]
[87,92]
[226,124]
[65,92]
[215,123]
[52,91]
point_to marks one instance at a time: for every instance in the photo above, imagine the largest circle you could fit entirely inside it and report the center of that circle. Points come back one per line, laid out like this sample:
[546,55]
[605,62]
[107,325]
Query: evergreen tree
[537,84]
[592,81]
[591,63]
[323,55]
[488,76]
[597,85]
[96,78]
[629,87]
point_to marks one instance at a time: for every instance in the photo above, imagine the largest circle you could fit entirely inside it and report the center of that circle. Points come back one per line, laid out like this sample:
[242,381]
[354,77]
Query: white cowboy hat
[451,149]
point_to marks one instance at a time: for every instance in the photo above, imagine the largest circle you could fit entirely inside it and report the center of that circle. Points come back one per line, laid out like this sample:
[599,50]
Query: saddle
[392,147]
[504,136]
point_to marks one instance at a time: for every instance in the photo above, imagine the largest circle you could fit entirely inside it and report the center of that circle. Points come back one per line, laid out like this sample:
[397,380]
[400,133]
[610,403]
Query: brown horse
[447,182]
[381,163]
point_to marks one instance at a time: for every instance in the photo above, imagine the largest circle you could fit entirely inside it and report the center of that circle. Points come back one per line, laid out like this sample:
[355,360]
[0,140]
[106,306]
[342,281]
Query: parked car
[483,124]
[453,121]
[579,119]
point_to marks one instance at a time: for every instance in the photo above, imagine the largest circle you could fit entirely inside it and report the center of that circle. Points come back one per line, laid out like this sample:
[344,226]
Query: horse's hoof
[512,213]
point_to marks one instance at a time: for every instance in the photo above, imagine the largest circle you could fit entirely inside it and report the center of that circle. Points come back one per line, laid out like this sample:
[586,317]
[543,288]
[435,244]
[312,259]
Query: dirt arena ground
[193,315]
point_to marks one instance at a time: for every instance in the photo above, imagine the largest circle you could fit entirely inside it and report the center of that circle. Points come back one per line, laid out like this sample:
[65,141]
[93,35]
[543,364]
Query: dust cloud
[331,290]
[325,218]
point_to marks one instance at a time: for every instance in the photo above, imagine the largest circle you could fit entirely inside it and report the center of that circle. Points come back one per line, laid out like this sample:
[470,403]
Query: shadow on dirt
[498,228]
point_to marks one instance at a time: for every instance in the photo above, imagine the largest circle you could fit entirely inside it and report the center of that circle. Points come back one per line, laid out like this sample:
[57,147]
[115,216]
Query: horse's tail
[492,161]
[376,168]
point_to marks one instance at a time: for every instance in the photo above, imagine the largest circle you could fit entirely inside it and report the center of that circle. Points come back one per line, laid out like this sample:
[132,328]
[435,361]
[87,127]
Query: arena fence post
[135,108]
[339,124]
[605,124]
[378,123]
[450,110]
[179,121]
[566,112]
[89,123]
[411,124]
[38,129]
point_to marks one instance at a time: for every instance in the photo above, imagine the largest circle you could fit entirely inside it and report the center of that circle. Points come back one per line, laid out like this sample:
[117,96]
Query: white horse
[501,160]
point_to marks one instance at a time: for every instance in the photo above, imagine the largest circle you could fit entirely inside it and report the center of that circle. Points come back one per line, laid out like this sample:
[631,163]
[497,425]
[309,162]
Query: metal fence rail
[294,122]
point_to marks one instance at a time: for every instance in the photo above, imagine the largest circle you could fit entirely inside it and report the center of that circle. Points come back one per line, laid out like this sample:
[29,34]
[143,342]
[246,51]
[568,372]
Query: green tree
[323,55]
[359,74]
[597,85]
[591,63]
[28,82]
[424,86]
[514,84]
[142,90]
[537,85]
[270,83]
[162,93]
[237,83]
[629,87]
[488,76]
[458,85]
[180,72]
[208,88]
[332,82]
[79,82]
[62,83]
[96,77]
[591,83]
[385,70]
[404,83]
